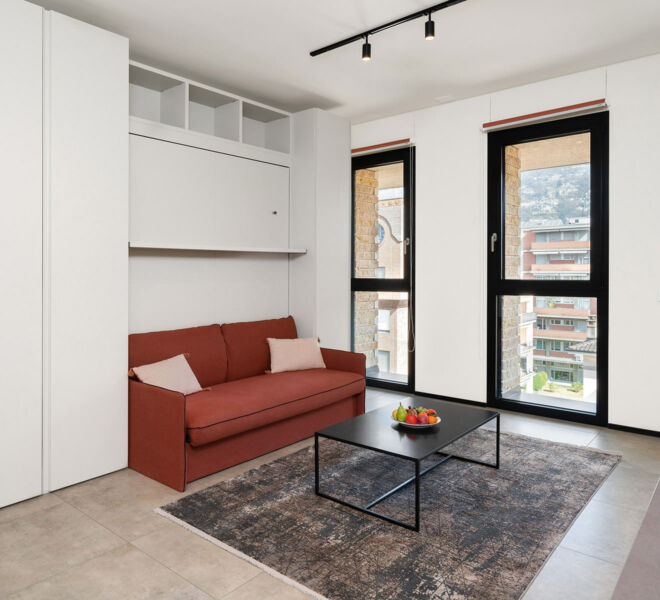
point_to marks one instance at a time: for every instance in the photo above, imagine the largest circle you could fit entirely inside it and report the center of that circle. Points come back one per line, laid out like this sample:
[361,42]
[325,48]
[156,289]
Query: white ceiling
[260,48]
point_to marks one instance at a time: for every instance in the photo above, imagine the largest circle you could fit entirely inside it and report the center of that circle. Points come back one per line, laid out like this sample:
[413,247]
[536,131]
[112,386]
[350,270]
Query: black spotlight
[429,29]
[366,49]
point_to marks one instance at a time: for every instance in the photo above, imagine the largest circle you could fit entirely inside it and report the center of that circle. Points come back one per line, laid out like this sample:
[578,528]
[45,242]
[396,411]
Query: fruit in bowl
[415,416]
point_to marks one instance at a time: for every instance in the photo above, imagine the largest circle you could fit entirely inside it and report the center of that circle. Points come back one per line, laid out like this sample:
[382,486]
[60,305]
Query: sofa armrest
[353,362]
[157,433]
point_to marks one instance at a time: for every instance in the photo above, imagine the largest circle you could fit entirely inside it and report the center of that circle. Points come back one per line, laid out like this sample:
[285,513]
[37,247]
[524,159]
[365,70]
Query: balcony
[561,245]
[556,356]
[527,317]
[561,268]
[562,312]
[556,334]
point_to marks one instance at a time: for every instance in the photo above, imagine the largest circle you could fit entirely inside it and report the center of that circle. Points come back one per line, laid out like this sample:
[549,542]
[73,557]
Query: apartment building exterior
[563,331]
[556,250]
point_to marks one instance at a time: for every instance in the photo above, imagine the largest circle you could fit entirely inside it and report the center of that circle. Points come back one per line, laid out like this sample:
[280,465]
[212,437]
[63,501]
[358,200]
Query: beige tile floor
[101,539]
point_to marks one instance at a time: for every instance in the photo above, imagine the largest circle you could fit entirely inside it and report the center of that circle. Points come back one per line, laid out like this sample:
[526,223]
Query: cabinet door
[188,197]
[87,297]
[20,250]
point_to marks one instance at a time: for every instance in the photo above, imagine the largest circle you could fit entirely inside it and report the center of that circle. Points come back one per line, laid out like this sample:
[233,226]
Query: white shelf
[201,248]
[167,99]
[265,128]
[213,113]
[156,96]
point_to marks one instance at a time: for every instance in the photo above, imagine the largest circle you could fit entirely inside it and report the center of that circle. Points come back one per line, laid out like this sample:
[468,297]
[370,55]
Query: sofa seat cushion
[236,406]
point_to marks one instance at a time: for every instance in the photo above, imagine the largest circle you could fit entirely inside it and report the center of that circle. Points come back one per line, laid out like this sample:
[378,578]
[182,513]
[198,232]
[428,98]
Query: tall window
[381,282]
[548,251]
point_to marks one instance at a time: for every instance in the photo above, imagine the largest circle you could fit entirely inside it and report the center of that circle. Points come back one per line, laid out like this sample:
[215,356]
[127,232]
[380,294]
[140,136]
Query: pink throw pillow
[294,355]
[172,374]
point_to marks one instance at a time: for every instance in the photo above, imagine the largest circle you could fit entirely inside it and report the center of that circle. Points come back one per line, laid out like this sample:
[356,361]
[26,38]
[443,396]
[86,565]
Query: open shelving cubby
[157,97]
[265,128]
[213,113]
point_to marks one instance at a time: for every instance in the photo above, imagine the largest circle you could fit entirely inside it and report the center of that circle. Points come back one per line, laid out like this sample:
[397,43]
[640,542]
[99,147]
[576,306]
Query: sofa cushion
[205,347]
[247,348]
[236,406]
[294,355]
[172,374]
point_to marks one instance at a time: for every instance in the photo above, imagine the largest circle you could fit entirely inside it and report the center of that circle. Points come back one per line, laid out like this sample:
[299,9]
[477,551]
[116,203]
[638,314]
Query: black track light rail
[416,15]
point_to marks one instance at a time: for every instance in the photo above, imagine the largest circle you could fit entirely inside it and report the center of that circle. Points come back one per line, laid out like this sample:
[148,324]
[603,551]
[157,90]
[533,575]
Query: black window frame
[597,125]
[405,155]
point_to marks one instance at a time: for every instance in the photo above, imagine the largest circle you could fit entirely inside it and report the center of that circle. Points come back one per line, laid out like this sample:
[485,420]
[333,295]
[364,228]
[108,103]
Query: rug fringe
[239,554]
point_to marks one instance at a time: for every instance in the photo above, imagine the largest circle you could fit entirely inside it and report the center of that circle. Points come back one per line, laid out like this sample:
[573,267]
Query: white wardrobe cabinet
[63,251]
[87,237]
[20,250]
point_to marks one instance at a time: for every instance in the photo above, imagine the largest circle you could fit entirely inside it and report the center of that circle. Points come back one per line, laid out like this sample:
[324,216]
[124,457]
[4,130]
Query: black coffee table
[377,431]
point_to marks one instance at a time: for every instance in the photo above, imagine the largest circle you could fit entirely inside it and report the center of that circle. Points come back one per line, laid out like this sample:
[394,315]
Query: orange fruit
[432,419]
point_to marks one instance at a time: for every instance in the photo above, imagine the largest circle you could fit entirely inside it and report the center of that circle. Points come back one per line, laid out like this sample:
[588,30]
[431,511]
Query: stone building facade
[510,305]
[378,252]
[365,304]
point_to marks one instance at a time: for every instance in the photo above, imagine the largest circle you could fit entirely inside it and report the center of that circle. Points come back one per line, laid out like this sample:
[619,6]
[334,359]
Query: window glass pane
[383,320]
[379,222]
[548,351]
[380,332]
[548,209]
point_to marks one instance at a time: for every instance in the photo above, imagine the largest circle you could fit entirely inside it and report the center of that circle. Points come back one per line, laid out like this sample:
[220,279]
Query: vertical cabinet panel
[20,250]
[319,281]
[182,196]
[87,286]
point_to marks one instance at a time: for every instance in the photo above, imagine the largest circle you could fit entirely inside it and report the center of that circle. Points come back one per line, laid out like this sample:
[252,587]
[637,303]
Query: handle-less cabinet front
[86,292]
[20,250]
[189,197]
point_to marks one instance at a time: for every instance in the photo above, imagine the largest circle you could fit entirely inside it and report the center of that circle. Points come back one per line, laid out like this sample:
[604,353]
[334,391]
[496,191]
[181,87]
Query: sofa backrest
[247,348]
[204,345]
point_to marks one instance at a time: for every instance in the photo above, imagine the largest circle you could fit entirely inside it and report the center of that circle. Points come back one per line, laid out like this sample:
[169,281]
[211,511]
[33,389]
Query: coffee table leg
[497,442]
[316,463]
[417,481]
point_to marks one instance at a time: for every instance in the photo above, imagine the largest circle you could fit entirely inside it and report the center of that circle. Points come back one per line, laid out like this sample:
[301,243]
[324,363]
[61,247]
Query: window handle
[493,239]
[406,243]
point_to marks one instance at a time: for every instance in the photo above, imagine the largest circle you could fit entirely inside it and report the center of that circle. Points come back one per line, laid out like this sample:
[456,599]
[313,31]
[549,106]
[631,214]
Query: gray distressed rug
[485,533]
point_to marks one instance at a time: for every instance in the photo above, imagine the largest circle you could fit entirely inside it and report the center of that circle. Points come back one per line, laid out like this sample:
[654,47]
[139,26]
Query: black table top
[377,431]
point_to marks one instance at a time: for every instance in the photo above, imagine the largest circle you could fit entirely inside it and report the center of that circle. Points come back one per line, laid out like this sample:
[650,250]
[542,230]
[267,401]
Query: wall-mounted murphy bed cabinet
[209,169]
[210,199]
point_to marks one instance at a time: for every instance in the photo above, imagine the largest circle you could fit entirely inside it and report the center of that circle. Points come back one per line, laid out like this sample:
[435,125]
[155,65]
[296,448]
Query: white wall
[171,290]
[450,257]
[302,269]
[333,241]
[451,230]
[634,96]
[320,221]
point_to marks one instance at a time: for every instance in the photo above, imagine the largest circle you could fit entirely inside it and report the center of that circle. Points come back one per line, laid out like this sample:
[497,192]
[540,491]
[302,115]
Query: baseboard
[650,432]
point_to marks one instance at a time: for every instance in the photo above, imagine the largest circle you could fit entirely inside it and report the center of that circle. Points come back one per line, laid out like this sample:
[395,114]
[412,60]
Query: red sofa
[243,412]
